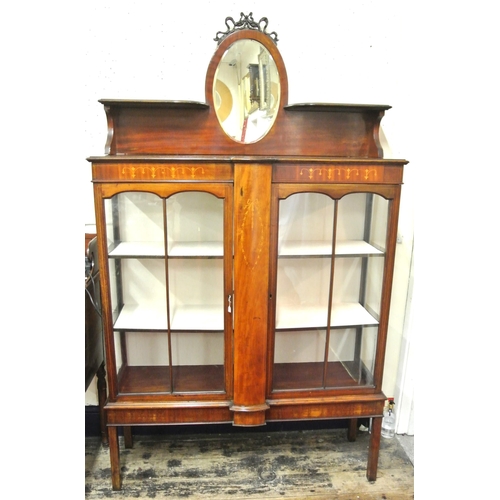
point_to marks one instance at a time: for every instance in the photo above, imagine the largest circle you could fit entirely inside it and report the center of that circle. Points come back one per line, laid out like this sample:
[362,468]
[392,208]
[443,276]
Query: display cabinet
[247,249]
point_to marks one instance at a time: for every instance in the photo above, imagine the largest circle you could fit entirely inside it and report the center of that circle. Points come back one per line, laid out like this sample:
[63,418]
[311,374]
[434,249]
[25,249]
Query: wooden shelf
[346,314]
[152,104]
[156,379]
[299,376]
[210,378]
[336,107]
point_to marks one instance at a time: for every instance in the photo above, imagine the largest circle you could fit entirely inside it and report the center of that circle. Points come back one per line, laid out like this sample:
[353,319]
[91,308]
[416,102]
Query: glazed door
[169,254]
[330,254]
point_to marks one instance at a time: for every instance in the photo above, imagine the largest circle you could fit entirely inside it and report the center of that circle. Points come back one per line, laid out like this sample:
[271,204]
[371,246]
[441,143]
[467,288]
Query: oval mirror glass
[246,91]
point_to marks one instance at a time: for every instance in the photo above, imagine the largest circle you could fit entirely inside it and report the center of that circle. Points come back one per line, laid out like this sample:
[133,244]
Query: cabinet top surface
[305,106]
[277,159]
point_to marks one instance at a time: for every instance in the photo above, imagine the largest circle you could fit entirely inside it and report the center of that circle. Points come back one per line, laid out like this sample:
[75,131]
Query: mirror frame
[270,45]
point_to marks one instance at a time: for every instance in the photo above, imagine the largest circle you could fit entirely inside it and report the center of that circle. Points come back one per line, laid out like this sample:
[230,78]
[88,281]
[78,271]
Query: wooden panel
[252,193]
[347,407]
[354,172]
[176,413]
[150,129]
[162,189]
[337,191]
[193,379]
[160,171]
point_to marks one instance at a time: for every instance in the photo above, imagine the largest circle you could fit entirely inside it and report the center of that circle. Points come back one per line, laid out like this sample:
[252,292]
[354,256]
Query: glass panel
[200,369]
[195,224]
[196,294]
[196,291]
[357,289]
[305,237]
[135,237]
[168,310]
[351,356]
[360,248]
[305,225]
[298,359]
[134,224]
[302,293]
[147,362]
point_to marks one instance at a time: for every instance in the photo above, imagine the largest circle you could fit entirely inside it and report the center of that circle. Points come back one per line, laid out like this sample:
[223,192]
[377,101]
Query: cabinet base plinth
[363,406]
[249,416]
[201,412]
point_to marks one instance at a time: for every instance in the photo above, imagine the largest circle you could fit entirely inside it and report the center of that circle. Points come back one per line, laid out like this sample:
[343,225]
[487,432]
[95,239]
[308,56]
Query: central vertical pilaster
[252,195]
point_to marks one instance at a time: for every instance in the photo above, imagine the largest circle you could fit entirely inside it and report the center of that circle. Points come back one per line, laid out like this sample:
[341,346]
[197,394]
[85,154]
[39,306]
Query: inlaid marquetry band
[164,172]
[160,172]
[341,173]
[345,172]
[251,233]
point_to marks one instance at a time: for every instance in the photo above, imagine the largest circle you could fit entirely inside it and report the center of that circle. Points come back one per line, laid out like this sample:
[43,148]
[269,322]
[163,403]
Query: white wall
[342,52]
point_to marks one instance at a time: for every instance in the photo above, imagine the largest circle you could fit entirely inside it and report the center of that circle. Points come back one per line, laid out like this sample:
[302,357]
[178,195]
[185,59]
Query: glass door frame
[282,191]
[222,190]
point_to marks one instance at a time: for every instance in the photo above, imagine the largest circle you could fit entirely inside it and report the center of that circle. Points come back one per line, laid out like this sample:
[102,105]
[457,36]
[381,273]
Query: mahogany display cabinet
[247,252]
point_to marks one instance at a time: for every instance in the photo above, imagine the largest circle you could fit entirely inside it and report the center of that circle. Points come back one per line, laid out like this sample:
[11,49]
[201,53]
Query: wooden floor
[305,464]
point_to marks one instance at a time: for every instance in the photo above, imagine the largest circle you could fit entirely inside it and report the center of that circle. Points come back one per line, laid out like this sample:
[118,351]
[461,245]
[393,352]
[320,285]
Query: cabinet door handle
[229,299]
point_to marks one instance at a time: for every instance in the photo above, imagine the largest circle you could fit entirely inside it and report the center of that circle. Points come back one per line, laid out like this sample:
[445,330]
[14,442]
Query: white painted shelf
[197,249]
[324,248]
[198,318]
[344,314]
[138,249]
[178,249]
[215,249]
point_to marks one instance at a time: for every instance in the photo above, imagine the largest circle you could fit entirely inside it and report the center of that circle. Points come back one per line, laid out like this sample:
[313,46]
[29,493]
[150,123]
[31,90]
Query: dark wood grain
[186,379]
[156,128]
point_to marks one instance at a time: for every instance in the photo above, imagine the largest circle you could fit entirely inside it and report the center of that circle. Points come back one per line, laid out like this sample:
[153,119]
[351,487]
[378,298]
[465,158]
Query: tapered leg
[114,456]
[102,393]
[371,471]
[127,436]
[352,430]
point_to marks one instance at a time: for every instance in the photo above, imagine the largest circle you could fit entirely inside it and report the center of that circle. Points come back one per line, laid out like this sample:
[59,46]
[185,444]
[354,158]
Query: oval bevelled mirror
[246,91]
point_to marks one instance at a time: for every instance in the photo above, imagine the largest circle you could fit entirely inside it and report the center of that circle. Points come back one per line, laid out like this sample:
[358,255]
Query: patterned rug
[311,464]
